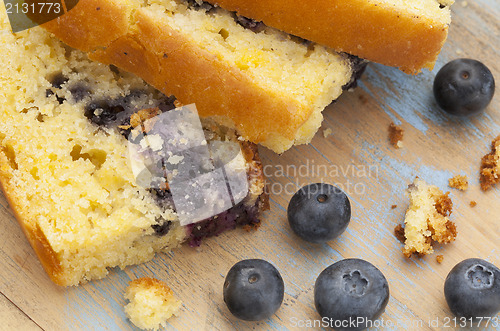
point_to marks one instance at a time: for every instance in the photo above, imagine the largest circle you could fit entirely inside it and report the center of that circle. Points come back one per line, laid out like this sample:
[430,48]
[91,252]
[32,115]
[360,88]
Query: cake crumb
[464,4]
[473,204]
[459,182]
[151,304]
[427,219]
[490,166]
[439,259]
[396,134]
[327,132]
[394,206]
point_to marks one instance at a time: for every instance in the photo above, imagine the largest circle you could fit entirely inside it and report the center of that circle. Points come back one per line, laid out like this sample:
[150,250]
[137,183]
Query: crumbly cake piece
[270,86]
[490,166]
[459,182]
[473,204]
[64,164]
[396,135]
[151,303]
[426,219]
[404,34]
[439,259]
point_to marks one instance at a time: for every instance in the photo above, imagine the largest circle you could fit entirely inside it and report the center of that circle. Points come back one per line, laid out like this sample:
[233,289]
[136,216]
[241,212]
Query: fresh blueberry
[351,294]
[319,212]
[472,289]
[464,87]
[253,290]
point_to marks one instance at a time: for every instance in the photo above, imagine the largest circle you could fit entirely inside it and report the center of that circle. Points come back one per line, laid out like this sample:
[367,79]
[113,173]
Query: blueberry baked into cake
[268,85]
[64,164]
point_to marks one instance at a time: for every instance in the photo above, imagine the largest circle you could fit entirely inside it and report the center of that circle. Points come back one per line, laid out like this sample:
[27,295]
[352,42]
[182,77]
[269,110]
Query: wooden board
[357,157]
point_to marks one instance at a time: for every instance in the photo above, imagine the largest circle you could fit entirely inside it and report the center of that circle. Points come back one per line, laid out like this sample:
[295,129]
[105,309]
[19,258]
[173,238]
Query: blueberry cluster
[350,289]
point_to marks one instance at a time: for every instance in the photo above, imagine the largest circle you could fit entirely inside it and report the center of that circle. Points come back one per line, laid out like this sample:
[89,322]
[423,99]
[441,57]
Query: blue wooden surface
[437,147]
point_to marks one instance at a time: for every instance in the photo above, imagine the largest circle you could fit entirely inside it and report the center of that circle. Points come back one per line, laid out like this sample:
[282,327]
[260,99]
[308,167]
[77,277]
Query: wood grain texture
[358,157]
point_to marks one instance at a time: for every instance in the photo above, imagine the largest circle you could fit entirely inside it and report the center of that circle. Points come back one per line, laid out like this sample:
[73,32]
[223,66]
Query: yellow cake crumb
[439,259]
[473,204]
[426,219]
[459,182]
[327,132]
[490,166]
[151,303]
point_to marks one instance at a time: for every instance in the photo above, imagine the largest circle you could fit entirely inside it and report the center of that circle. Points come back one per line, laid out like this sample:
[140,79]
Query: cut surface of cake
[399,33]
[490,166]
[426,220]
[268,85]
[151,303]
[65,163]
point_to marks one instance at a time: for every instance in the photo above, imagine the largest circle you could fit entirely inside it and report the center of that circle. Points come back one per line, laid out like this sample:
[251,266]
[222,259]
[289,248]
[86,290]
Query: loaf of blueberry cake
[404,34]
[66,124]
[268,85]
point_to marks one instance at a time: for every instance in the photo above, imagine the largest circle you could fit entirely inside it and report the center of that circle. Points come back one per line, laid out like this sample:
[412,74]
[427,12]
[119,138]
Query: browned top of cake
[396,134]
[459,182]
[490,166]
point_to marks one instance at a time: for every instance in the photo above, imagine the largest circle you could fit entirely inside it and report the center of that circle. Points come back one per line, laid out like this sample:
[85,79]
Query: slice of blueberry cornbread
[268,85]
[64,161]
[426,219]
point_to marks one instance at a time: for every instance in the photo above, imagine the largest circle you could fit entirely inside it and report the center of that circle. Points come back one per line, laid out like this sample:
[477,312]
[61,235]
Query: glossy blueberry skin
[464,87]
[253,290]
[472,289]
[350,289]
[319,212]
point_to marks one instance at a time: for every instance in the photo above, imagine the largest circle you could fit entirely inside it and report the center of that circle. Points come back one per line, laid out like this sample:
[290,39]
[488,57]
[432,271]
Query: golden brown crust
[399,233]
[359,27]
[490,166]
[444,205]
[48,258]
[146,282]
[257,113]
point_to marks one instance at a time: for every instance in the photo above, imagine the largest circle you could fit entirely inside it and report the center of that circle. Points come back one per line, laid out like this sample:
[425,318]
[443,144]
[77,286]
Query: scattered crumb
[364,100]
[464,4]
[426,220]
[459,182]
[439,259]
[490,166]
[396,135]
[459,51]
[327,132]
[394,206]
[399,232]
[473,204]
[151,303]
